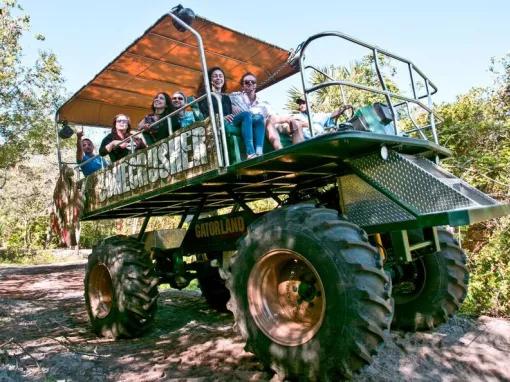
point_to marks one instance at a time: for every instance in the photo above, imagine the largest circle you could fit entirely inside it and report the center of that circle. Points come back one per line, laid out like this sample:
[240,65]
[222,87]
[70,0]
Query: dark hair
[114,128]
[168,101]
[201,87]
[246,75]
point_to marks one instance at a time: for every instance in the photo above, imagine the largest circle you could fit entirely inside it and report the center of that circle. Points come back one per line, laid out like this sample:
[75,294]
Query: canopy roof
[164,59]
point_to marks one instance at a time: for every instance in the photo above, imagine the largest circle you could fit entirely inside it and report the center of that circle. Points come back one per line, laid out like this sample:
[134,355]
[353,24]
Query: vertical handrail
[203,64]
[431,115]
[385,88]
[305,92]
[410,66]
[222,129]
[418,128]
[131,144]
[59,155]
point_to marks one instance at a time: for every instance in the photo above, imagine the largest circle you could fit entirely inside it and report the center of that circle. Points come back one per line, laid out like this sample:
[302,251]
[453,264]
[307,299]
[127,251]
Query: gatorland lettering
[220,227]
[159,162]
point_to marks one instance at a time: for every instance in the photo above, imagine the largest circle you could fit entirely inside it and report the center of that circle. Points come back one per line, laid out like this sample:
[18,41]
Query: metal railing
[218,136]
[382,90]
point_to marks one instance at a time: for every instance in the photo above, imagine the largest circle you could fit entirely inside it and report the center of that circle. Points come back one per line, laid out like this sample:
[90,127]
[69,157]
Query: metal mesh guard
[411,185]
[365,206]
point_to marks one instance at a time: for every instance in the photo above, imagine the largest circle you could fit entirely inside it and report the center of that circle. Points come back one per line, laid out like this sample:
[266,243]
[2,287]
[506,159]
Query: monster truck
[357,237]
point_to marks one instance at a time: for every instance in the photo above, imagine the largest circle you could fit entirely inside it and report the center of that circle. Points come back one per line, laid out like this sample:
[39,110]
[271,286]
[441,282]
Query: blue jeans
[251,124]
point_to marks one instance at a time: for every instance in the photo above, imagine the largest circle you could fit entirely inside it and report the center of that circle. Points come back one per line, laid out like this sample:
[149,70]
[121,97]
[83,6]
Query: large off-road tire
[433,287]
[309,294]
[213,287]
[121,289]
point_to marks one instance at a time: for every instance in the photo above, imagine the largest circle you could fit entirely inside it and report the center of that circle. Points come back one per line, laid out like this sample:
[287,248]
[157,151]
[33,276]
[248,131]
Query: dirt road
[44,336]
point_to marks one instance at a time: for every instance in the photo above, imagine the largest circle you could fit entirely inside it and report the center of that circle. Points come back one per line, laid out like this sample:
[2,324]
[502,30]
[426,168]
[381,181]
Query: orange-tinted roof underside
[164,59]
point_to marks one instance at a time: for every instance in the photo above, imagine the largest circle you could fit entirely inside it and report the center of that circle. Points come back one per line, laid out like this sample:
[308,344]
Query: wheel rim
[286,297]
[411,282]
[100,291]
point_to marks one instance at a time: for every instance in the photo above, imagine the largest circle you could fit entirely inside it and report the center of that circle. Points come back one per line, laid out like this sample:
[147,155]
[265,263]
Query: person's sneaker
[251,156]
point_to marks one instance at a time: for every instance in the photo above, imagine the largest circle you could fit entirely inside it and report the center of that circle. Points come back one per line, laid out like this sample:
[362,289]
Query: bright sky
[451,41]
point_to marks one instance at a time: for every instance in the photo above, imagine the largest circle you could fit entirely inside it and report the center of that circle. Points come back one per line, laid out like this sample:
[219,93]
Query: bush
[489,290]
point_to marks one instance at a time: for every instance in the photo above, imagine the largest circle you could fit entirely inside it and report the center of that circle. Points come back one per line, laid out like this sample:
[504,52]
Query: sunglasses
[249,82]
[122,121]
[177,99]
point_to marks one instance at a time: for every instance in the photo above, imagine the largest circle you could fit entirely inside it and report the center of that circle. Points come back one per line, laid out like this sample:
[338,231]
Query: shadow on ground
[45,336]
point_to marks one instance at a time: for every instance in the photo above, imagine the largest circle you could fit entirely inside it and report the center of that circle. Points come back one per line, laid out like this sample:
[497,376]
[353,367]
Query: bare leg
[296,127]
[272,134]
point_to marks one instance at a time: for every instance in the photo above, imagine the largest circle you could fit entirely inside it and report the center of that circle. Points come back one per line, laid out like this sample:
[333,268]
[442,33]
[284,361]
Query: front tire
[433,287]
[309,294]
[121,289]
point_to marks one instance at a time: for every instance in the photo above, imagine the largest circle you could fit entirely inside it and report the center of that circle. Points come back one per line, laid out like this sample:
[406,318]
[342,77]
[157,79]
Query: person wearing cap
[84,152]
[319,120]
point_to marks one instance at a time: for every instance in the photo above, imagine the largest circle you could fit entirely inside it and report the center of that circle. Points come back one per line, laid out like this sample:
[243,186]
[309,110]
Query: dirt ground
[45,336]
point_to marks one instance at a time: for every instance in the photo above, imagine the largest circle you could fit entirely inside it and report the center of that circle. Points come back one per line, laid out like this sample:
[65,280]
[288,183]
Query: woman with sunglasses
[161,106]
[114,145]
[250,115]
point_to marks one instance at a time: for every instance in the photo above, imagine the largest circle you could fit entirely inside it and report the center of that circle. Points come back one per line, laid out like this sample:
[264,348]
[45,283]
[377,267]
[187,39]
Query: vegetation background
[476,127]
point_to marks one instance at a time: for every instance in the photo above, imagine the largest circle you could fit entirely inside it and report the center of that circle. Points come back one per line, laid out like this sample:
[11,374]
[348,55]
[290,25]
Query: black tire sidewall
[99,324]
[133,283]
[435,302]
[336,282]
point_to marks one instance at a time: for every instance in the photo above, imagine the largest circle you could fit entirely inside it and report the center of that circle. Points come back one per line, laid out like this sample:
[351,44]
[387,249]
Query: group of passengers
[242,110]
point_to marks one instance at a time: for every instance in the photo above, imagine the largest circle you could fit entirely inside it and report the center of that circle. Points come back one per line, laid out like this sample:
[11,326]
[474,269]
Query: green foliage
[29,95]
[91,232]
[27,257]
[26,197]
[477,129]
[489,290]
[478,136]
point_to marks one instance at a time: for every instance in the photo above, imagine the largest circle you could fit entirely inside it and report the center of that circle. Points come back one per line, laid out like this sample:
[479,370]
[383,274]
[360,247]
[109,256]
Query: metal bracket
[240,201]
[401,247]
[144,226]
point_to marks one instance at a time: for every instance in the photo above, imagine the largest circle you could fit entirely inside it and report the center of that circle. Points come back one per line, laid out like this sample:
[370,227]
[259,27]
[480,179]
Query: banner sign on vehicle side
[185,154]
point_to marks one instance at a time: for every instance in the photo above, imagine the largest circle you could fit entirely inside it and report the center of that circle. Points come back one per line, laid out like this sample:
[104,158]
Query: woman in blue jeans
[250,115]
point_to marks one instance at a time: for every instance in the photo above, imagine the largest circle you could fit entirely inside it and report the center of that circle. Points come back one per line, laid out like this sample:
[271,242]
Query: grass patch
[35,257]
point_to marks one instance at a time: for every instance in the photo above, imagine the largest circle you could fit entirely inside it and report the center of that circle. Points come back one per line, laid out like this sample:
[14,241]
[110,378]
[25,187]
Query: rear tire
[121,289]
[309,294]
[435,287]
